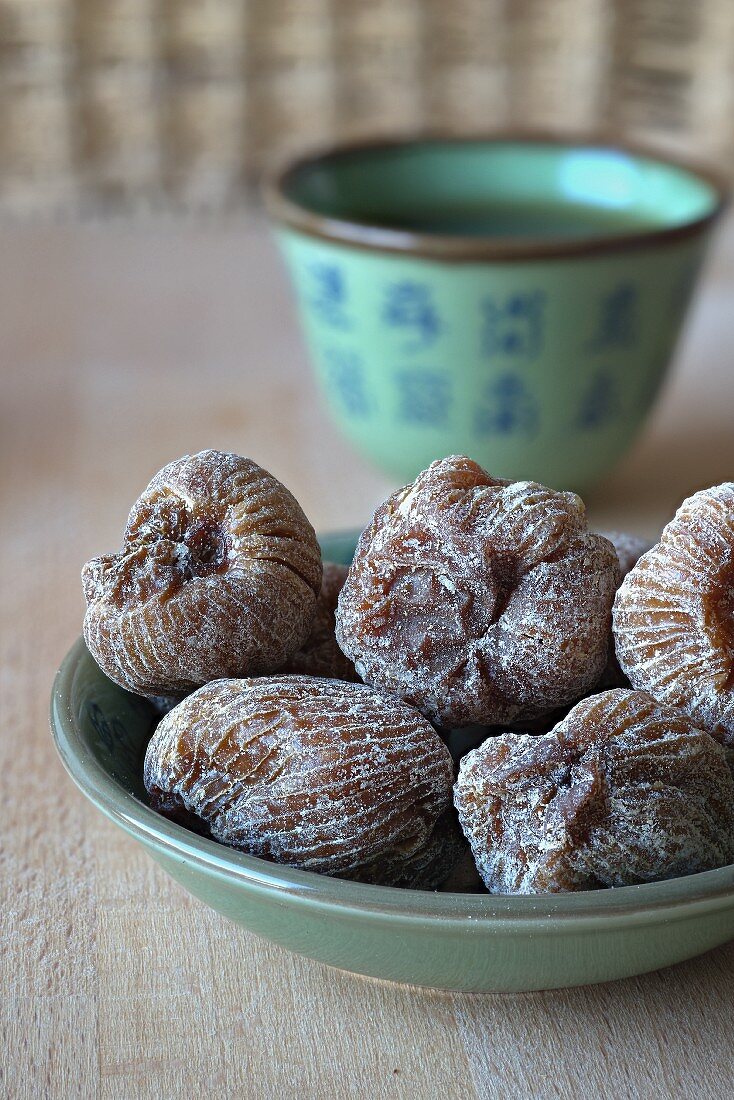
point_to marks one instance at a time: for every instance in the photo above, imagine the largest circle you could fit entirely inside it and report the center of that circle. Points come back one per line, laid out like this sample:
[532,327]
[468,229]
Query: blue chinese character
[513,327]
[599,403]
[507,408]
[424,397]
[346,376]
[408,306]
[616,325]
[328,296]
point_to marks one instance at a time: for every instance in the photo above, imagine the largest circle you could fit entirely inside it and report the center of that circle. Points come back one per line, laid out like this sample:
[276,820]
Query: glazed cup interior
[511,189]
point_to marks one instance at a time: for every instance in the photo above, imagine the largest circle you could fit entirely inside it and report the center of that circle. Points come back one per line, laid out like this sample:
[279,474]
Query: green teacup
[515,299]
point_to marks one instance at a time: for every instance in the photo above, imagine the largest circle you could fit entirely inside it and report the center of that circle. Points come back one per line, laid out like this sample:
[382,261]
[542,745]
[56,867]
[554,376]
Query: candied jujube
[424,868]
[479,600]
[320,654]
[623,791]
[319,774]
[218,576]
[629,550]
[674,613]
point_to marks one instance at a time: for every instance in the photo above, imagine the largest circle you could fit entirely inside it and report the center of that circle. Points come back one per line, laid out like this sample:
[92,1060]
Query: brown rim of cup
[373,236]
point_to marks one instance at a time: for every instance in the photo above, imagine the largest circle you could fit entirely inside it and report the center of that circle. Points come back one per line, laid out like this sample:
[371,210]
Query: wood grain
[120,350]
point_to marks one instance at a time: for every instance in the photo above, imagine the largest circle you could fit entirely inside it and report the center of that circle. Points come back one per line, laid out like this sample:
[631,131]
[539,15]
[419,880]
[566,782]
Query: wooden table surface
[121,349]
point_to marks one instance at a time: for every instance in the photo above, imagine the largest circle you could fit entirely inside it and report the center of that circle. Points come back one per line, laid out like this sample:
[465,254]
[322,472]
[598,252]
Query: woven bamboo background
[136,104]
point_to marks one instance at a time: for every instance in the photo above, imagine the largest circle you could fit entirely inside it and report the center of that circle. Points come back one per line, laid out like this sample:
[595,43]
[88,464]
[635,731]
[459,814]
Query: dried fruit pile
[307,707]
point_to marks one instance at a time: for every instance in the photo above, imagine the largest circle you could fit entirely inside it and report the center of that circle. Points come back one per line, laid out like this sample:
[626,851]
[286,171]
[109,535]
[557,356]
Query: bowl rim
[639,904]
[373,236]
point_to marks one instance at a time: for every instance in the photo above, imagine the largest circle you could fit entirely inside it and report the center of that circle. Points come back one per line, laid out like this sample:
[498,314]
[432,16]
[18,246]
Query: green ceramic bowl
[473,942]
[516,299]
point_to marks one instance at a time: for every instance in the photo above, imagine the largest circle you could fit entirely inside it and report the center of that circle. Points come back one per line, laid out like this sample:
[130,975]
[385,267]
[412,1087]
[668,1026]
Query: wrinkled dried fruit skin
[674,613]
[478,600]
[629,550]
[217,576]
[427,867]
[622,791]
[320,654]
[318,774]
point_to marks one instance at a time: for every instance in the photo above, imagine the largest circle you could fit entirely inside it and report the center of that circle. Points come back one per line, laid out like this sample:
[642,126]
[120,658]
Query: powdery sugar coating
[478,600]
[320,654]
[622,791]
[217,576]
[674,613]
[318,774]
[629,549]
[425,868]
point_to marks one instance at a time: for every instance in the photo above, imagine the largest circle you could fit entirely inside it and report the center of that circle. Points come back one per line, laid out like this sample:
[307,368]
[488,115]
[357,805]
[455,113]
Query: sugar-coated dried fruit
[319,774]
[674,613]
[426,867]
[218,576]
[629,549]
[479,600]
[320,654]
[623,791]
